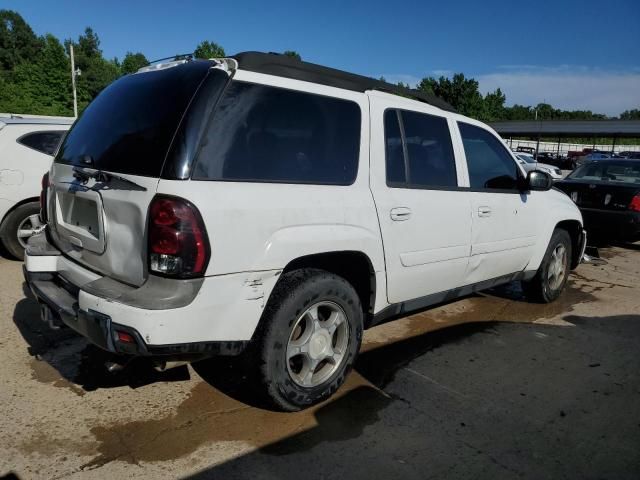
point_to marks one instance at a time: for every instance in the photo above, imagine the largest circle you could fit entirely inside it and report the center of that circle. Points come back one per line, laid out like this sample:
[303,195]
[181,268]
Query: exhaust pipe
[47,317]
[164,366]
[593,257]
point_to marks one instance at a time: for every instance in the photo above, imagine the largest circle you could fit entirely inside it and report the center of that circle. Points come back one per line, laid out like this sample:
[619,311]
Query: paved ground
[488,387]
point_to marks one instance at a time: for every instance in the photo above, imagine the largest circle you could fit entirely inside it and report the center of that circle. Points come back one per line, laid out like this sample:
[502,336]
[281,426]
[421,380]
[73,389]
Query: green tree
[41,86]
[207,49]
[462,93]
[630,114]
[95,71]
[493,106]
[292,53]
[18,43]
[132,62]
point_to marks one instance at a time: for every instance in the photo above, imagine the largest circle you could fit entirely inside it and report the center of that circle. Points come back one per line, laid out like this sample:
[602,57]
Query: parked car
[27,146]
[630,154]
[264,206]
[529,164]
[592,156]
[558,161]
[528,150]
[608,195]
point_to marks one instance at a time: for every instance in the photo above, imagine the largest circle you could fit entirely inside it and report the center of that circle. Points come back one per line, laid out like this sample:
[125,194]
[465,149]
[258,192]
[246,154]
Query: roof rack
[290,67]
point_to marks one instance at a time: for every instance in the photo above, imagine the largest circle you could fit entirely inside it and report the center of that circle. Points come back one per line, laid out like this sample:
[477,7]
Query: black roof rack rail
[290,67]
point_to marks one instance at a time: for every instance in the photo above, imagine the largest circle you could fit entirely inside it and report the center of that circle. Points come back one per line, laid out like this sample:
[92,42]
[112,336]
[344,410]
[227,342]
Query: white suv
[270,207]
[26,148]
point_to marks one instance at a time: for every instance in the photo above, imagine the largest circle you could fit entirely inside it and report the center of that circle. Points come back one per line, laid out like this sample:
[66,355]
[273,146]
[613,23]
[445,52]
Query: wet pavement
[487,387]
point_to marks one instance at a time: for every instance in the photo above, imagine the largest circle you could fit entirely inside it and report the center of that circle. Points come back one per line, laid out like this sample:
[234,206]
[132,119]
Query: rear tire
[20,219]
[551,277]
[308,339]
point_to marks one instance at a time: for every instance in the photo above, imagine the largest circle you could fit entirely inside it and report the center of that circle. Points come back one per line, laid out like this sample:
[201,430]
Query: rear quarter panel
[255,226]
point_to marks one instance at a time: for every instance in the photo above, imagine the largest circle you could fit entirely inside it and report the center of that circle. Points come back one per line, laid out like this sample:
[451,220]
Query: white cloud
[567,87]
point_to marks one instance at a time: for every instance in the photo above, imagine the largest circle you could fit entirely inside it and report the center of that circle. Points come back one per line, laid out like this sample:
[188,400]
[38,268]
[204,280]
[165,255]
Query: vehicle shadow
[498,417]
[77,361]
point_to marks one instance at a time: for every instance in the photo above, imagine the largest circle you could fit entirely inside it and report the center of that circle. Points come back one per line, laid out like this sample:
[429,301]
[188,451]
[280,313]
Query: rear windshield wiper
[105,181]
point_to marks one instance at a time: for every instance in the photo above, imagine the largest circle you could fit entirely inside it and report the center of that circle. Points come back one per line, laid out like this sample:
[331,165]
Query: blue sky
[573,54]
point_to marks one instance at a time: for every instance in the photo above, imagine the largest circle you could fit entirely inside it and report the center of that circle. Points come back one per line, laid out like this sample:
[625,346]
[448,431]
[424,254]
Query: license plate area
[82,213]
[80,220]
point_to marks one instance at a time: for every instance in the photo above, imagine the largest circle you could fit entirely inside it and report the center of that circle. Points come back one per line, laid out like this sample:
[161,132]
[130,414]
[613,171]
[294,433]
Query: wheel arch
[13,208]
[354,266]
[574,229]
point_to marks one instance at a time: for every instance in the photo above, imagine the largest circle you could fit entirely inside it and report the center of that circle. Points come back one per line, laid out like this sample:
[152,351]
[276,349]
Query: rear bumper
[623,225]
[102,331]
[219,320]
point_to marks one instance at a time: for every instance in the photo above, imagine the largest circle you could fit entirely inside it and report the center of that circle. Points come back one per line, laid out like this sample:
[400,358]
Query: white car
[264,206]
[26,148]
[529,164]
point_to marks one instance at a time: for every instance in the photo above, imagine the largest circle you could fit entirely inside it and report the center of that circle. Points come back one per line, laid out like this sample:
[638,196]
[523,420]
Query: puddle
[43,372]
[503,304]
[210,416]
[207,415]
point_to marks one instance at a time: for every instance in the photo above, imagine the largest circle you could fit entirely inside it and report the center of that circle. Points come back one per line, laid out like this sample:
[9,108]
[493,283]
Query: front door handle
[400,214]
[484,211]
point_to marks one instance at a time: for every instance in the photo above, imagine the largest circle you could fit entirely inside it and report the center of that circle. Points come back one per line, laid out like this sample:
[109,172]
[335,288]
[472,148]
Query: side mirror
[539,181]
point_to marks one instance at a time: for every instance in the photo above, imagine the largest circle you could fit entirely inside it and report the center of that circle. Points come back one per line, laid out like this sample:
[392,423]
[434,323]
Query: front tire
[551,277]
[18,226]
[308,339]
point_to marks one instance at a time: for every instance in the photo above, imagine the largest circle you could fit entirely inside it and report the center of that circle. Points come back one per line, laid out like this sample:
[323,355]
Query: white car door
[424,217]
[504,218]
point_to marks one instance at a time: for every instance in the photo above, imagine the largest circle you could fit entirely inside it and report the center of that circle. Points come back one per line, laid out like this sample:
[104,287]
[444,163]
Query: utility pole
[73,81]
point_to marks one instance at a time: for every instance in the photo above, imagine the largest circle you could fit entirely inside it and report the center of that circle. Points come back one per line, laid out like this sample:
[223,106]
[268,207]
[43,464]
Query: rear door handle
[484,211]
[400,214]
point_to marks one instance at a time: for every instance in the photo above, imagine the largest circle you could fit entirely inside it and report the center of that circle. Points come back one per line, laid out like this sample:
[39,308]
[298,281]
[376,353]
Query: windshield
[526,159]
[128,128]
[612,171]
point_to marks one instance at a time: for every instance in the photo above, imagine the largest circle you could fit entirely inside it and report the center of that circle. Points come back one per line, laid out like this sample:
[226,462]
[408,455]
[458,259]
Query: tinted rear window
[608,170]
[268,134]
[128,128]
[45,142]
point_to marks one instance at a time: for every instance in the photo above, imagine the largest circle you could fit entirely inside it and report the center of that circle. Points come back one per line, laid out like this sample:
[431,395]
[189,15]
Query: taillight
[635,203]
[43,197]
[178,243]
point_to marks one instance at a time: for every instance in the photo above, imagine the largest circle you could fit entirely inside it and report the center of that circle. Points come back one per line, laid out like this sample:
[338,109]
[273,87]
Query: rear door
[108,167]
[424,218]
[505,219]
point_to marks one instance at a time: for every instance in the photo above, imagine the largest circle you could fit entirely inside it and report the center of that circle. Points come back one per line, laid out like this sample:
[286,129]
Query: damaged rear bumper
[218,316]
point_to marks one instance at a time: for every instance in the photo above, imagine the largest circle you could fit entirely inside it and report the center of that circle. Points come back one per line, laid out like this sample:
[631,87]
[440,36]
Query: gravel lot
[487,387]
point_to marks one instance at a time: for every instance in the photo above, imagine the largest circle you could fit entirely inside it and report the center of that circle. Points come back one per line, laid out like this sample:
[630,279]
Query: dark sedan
[608,195]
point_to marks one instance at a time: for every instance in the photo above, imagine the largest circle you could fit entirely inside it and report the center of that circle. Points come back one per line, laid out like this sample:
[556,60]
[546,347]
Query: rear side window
[419,152]
[490,164]
[396,172]
[129,127]
[45,142]
[268,134]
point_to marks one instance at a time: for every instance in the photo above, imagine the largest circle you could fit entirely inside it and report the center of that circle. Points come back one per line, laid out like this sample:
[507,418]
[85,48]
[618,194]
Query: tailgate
[102,226]
[106,172]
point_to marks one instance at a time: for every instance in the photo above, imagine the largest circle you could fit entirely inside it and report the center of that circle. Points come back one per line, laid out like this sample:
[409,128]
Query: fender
[290,243]
[559,208]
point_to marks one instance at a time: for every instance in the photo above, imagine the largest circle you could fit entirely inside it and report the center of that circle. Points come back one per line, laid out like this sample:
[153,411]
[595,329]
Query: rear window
[128,128]
[426,142]
[45,142]
[608,170]
[267,134]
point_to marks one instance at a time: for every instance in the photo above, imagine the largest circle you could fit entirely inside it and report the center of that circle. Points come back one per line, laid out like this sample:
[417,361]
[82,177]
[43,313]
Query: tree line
[35,77]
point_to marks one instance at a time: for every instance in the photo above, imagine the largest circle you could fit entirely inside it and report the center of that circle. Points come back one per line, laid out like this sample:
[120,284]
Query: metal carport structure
[569,128]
